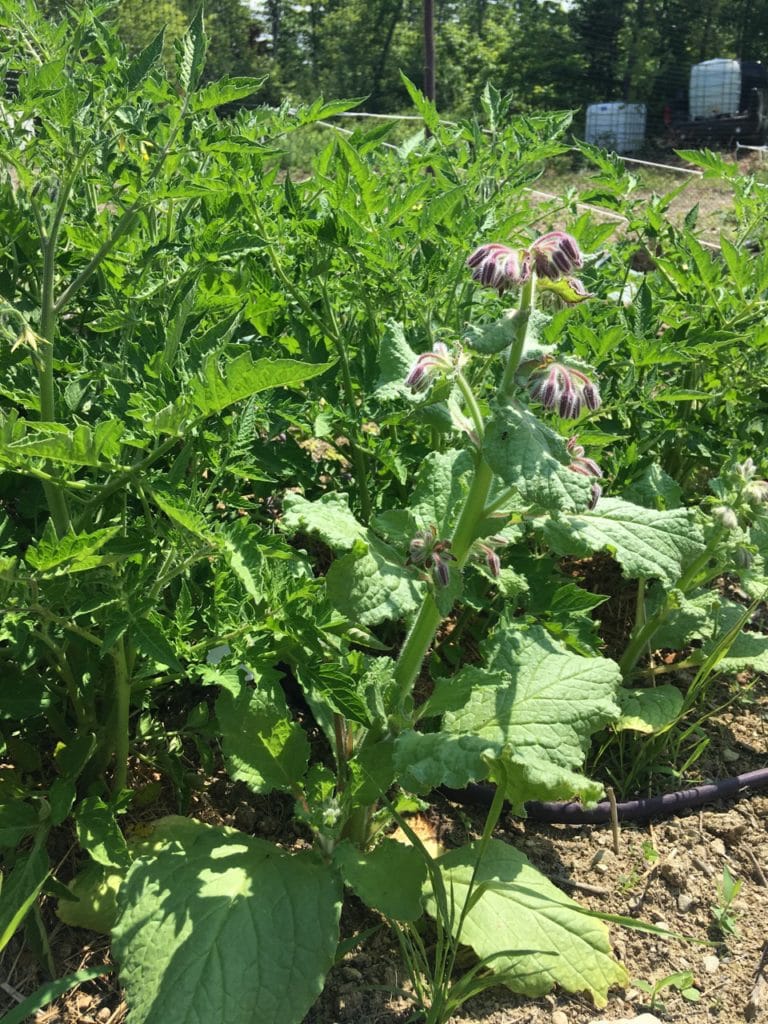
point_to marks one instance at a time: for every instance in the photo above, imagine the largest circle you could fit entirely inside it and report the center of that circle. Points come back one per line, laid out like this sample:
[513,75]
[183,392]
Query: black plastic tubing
[639,809]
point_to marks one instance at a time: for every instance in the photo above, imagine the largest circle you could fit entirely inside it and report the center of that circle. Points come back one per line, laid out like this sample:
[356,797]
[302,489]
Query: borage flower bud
[429,365]
[756,492]
[591,395]
[556,255]
[580,463]
[569,406]
[585,466]
[492,561]
[725,516]
[484,551]
[440,570]
[420,546]
[497,266]
[425,549]
[743,557]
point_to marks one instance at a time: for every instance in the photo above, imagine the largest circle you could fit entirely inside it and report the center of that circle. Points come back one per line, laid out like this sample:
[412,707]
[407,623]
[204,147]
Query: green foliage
[233,538]
[186,910]
[519,907]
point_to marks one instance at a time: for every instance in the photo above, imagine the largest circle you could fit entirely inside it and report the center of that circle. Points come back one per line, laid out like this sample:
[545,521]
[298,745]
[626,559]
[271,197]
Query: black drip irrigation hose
[640,809]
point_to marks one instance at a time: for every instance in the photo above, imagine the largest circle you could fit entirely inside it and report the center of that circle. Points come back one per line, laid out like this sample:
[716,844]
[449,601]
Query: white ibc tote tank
[715,88]
[616,126]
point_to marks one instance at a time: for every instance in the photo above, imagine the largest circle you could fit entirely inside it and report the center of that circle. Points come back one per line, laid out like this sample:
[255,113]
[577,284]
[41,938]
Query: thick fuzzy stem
[643,635]
[122,713]
[472,514]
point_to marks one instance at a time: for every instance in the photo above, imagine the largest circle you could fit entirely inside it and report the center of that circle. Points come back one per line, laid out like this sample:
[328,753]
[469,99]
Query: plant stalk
[122,713]
[472,514]
[642,636]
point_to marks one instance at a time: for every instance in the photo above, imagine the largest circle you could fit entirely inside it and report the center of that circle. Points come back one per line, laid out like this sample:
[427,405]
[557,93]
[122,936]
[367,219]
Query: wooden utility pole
[429,49]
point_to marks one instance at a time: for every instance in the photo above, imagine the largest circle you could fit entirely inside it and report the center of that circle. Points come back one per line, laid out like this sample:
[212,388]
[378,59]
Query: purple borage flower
[587,467]
[425,549]
[553,255]
[563,389]
[429,365]
[497,266]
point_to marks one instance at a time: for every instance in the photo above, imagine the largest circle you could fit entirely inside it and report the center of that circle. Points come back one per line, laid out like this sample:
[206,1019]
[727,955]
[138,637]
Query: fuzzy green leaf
[424,761]
[531,457]
[329,518]
[649,711]
[646,542]
[389,878]
[521,909]
[440,487]
[542,703]
[495,337]
[219,926]
[396,357]
[368,585]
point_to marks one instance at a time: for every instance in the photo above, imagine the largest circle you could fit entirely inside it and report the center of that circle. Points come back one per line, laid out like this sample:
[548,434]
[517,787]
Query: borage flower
[587,467]
[497,266]
[563,389]
[484,551]
[556,255]
[425,549]
[428,366]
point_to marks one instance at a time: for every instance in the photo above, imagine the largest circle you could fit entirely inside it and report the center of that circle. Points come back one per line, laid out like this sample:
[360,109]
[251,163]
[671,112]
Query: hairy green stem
[472,407]
[642,636]
[122,713]
[473,512]
[527,300]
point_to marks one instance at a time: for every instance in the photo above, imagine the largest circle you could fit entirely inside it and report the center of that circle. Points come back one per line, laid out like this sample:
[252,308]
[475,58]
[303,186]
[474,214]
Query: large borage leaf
[329,518]
[371,583]
[536,705]
[219,926]
[520,909]
[646,542]
[532,458]
[368,585]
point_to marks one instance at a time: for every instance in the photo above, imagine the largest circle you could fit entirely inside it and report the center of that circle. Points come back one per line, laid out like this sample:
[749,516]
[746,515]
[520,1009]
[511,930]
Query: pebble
[674,871]
[730,755]
[711,964]
[558,1017]
[684,902]
[717,846]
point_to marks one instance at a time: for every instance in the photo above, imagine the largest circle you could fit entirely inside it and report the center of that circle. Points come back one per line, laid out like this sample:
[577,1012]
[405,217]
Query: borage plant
[521,715]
